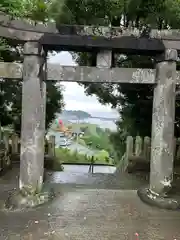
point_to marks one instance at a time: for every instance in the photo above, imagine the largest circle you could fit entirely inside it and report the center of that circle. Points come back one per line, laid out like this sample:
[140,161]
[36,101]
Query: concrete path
[89,213]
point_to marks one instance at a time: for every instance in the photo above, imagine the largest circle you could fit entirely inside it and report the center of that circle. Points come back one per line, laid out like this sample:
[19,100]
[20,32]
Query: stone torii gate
[39,39]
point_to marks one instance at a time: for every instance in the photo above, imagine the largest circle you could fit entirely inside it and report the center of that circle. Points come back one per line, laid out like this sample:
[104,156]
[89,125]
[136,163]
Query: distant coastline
[105,118]
[80,115]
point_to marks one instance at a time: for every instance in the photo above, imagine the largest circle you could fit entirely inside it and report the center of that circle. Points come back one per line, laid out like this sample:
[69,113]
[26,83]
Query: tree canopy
[11,91]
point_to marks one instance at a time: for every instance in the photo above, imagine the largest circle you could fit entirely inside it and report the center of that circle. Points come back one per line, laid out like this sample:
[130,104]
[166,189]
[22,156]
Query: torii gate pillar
[33,117]
[31,192]
[162,146]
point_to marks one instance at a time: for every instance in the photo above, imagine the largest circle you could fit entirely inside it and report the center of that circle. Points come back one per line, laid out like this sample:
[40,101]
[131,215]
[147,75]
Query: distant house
[61,134]
[77,133]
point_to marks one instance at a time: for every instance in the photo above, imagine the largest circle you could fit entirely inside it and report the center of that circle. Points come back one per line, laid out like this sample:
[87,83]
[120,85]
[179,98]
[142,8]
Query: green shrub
[82,142]
[99,142]
[67,156]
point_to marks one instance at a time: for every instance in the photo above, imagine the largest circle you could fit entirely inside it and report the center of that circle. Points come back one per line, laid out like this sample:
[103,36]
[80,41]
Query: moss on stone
[28,198]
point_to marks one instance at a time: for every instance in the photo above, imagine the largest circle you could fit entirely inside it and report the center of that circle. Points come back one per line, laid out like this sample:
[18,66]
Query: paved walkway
[88,213]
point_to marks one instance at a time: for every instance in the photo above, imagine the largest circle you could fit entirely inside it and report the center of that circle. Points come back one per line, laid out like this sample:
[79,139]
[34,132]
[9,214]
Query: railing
[10,149]
[138,152]
[12,144]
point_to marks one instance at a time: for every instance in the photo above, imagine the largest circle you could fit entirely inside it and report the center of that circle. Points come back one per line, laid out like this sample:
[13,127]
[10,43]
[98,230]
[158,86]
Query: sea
[101,123]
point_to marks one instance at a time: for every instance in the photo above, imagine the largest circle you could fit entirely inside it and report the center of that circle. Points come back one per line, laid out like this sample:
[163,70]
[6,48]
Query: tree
[11,91]
[134,103]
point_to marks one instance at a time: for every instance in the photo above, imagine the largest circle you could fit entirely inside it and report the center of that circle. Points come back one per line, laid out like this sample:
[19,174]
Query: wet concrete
[85,168]
[99,207]
[86,180]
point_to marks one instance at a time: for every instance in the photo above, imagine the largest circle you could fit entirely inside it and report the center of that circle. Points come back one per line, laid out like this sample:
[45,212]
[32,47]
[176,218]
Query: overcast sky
[74,96]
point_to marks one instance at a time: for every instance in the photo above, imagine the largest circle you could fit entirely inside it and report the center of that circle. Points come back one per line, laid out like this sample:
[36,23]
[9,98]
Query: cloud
[63,58]
[74,96]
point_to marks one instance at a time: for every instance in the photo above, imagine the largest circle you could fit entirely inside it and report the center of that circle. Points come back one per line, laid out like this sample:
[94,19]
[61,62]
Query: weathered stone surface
[111,32]
[27,198]
[138,146]
[94,74]
[19,35]
[51,146]
[74,37]
[128,154]
[129,146]
[55,72]
[44,91]
[50,27]
[171,55]
[34,49]
[33,119]
[5,161]
[147,149]
[162,146]
[152,199]
[125,43]
[168,55]
[11,70]
[14,145]
[104,59]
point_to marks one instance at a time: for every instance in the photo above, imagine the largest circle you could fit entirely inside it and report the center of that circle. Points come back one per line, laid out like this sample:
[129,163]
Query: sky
[74,96]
